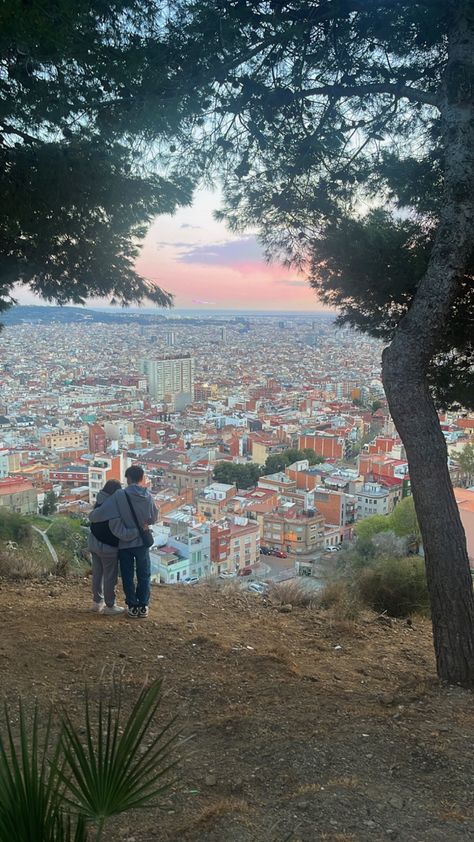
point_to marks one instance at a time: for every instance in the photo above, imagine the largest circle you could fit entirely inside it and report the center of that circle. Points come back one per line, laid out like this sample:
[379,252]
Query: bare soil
[302,726]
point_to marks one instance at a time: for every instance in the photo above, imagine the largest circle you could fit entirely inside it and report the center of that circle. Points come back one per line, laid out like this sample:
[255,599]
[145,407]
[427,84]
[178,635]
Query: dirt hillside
[303,727]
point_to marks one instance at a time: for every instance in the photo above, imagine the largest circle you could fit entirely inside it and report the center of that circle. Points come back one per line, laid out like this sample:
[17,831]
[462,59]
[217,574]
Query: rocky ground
[302,726]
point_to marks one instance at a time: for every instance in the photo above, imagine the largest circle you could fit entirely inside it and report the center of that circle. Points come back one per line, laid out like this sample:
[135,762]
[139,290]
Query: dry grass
[16,564]
[211,812]
[293,593]
[340,601]
[338,837]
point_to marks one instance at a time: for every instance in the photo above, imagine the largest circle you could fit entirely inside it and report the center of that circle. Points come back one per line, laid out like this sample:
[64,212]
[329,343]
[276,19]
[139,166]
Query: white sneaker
[97,607]
[113,609]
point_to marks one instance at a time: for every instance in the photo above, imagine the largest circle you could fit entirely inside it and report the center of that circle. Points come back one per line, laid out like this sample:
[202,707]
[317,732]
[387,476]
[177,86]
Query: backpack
[103,533]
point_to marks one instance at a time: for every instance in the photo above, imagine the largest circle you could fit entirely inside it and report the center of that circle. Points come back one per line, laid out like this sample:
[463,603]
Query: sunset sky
[205,266]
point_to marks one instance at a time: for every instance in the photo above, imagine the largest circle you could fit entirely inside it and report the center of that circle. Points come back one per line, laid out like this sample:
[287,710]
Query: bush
[66,531]
[14,527]
[395,585]
[341,599]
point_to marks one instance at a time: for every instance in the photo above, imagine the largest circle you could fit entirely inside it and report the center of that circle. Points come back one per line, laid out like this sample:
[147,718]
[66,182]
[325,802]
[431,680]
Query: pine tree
[317,112]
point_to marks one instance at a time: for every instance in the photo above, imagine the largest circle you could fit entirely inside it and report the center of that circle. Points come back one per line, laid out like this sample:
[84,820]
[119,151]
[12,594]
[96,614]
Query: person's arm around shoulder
[153,509]
[124,533]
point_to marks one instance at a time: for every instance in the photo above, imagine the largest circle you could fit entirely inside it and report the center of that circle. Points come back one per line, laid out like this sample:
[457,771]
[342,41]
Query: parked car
[265,550]
[257,587]
[332,549]
[280,554]
[227,575]
[190,580]
[245,571]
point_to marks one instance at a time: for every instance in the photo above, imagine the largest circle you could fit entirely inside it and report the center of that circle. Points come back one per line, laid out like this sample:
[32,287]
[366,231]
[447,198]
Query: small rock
[62,655]
[286,609]
[210,780]
[385,621]
[396,802]
[302,805]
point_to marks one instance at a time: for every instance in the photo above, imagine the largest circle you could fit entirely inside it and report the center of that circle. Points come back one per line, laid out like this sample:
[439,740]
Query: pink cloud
[193,256]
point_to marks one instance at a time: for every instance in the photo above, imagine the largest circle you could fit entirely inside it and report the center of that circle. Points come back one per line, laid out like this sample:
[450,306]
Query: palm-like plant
[54,786]
[114,771]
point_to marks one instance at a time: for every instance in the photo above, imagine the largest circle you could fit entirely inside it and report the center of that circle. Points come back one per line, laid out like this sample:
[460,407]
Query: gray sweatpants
[104,577]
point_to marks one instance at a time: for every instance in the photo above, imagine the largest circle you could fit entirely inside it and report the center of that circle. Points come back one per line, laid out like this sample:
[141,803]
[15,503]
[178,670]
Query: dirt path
[300,724]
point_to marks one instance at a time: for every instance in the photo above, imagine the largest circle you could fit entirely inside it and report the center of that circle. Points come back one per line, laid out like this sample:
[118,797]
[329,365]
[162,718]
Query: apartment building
[168,567]
[244,543]
[192,541]
[330,445]
[9,463]
[220,547]
[184,477]
[373,499]
[213,499]
[18,495]
[293,530]
[97,439]
[105,466]
[338,508]
[170,378]
[63,439]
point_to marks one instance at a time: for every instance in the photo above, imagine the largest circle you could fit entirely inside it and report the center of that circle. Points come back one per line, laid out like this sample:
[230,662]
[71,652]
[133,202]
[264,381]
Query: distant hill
[33,314]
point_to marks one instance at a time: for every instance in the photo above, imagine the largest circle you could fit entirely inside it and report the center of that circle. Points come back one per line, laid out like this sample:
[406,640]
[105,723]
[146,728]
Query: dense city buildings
[80,402]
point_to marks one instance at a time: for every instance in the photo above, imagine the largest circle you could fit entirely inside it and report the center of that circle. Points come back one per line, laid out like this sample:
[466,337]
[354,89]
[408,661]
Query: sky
[206,267]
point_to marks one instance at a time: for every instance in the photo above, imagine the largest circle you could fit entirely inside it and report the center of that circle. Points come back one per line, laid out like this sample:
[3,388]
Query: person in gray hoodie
[134,556]
[103,546]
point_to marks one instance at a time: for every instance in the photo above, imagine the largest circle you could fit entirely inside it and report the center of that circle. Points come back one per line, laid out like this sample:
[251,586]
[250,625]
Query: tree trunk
[406,360]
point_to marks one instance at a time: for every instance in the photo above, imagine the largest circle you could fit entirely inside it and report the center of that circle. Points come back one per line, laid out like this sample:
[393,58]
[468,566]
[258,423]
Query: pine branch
[10,130]
[398,91]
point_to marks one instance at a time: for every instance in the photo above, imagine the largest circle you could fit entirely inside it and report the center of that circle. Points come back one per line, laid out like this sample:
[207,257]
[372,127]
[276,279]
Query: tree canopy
[279,461]
[80,84]
[243,476]
[402,522]
[323,127]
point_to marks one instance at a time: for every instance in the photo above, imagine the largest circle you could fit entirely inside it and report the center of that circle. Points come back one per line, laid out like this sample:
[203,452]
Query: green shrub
[14,527]
[65,530]
[395,585]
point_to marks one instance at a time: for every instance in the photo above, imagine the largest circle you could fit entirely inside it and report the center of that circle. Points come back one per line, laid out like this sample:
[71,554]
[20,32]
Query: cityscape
[210,405]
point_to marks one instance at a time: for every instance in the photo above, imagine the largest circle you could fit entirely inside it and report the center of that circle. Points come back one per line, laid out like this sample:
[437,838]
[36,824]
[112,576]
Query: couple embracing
[120,533]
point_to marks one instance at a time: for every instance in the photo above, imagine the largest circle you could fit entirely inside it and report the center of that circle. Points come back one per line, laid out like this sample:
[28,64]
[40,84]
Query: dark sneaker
[143,611]
[133,611]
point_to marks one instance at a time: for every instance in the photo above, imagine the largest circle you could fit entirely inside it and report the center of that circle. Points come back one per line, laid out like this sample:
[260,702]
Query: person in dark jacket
[103,547]
[134,556]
